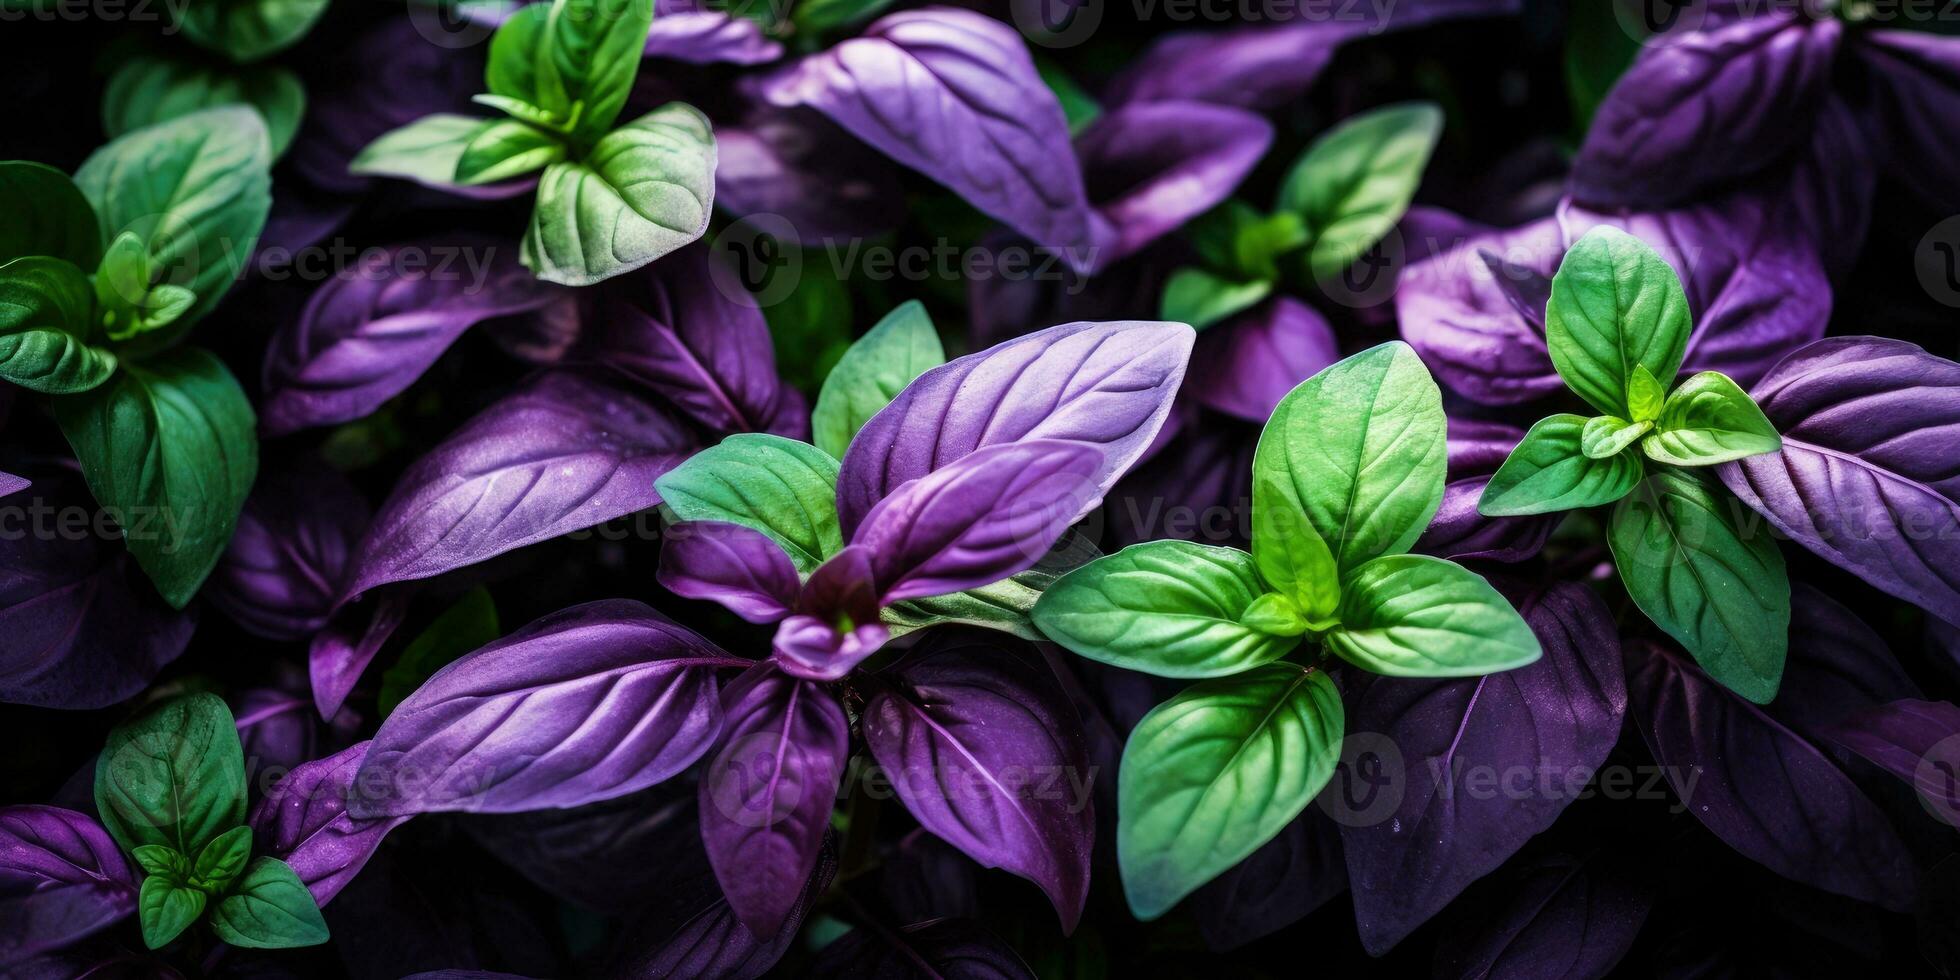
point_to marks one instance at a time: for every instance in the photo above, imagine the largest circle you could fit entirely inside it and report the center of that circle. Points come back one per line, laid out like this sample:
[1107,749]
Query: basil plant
[1347,474]
[1617,326]
[611,198]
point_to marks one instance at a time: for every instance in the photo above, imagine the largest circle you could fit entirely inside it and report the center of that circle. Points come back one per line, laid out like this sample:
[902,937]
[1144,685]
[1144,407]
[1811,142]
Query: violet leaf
[739,567]
[63,879]
[1244,367]
[304,822]
[291,551]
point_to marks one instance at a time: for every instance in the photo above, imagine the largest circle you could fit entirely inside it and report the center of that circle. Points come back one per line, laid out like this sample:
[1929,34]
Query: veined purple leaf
[1560,715]
[1837,667]
[733,565]
[1832,183]
[1917,741]
[341,651]
[1109,385]
[957,949]
[295,541]
[1865,478]
[1476,449]
[84,628]
[61,879]
[672,328]
[954,95]
[689,32]
[1762,788]
[712,942]
[1457,312]
[11,484]
[798,164]
[1555,918]
[304,822]
[815,644]
[1151,167]
[980,519]
[1198,489]
[1281,883]
[987,752]
[565,451]
[1916,77]
[1244,366]
[1698,108]
[588,703]
[370,332]
[766,795]
[277,730]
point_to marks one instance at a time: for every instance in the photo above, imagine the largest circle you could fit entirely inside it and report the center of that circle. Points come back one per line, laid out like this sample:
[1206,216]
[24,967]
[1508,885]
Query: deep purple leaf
[1244,366]
[947,949]
[341,651]
[1109,385]
[61,879]
[733,565]
[1836,667]
[1456,311]
[1917,78]
[304,822]
[797,164]
[1866,477]
[1832,183]
[690,32]
[277,730]
[1917,741]
[616,857]
[11,484]
[1151,167]
[767,794]
[1476,449]
[288,558]
[588,703]
[836,624]
[712,942]
[1198,489]
[1558,918]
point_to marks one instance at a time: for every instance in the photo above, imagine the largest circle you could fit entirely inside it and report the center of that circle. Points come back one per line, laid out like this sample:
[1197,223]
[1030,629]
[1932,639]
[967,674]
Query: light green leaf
[46,215]
[45,306]
[1645,395]
[1354,183]
[1417,616]
[161,859]
[221,860]
[127,300]
[1605,436]
[1201,299]
[814,321]
[644,190]
[1549,471]
[518,51]
[872,372]
[1691,567]
[1616,304]
[165,909]
[1289,552]
[170,448]
[591,55]
[468,625]
[1238,240]
[269,908]
[518,109]
[1276,614]
[1170,608]
[1358,451]
[505,149]
[783,488]
[1709,420]
[173,776]
[196,189]
[426,151]
[1212,774]
[151,89]
[247,30]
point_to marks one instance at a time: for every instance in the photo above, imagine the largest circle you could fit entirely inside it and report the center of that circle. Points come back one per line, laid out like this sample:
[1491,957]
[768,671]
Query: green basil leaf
[814,320]
[519,110]
[504,149]
[1615,304]
[247,30]
[127,300]
[1549,471]
[426,151]
[45,309]
[151,89]
[170,448]
[645,189]
[1709,420]
[574,59]
[783,488]
[1210,775]
[1355,182]
[517,49]
[1605,436]
[162,859]
[1417,616]
[46,215]
[269,908]
[1357,450]
[173,776]
[872,372]
[468,625]
[1289,552]
[1645,396]
[221,860]
[1170,608]
[1235,238]
[196,189]
[1201,299]
[1276,614]
[165,909]
[1693,569]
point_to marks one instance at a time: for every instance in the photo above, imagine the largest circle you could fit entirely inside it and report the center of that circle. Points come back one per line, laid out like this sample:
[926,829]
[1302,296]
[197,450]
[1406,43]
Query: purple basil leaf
[1476,449]
[370,332]
[711,941]
[566,451]
[954,95]
[1198,489]
[733,565]
[690,32]
[1281,883]
[588,703]
[1917,78]
[1762,788]
[341,651]
[1555,918]
[61,879]
[1917,741]
[291,552]
[799,165]
[811,644]
[1244,366]
[981,714]
[1559,715]
[1457,310]
[767,794]
[980,519]
[277,730]
[304,822]
[1836,667]
[952,949]
[84,629]
[1832,183]
[675,328]
[11,484]
[1109,385]
[923,877]
[1700,108]
[1151,167]
[1865,478]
